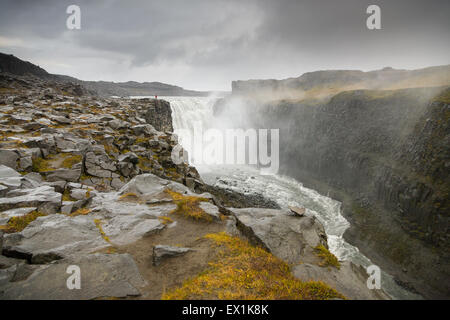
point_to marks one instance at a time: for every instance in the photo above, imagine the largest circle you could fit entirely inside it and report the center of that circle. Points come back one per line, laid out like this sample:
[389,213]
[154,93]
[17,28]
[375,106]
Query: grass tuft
[188,206]
[242,271]
[328,259]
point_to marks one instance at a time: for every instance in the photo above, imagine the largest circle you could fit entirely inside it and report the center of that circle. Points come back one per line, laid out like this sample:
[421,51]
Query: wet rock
[297,211]
[125,229]
[118,273]
[350,280]
[54,237]
[44,198]
[290,238]
[161,252]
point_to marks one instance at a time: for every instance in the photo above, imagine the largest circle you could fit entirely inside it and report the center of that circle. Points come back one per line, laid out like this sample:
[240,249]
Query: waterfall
[189,112]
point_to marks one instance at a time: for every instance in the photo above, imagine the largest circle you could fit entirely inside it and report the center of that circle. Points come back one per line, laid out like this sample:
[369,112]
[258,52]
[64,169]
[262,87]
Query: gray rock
[71,175]
[54,237]
[210,209]
[289,238]
[9,158]
[18,212]
[125,229]
[101,275]
[61,119]
[129,157]
[44,198]
[162,251]
[350,280]
[6,262]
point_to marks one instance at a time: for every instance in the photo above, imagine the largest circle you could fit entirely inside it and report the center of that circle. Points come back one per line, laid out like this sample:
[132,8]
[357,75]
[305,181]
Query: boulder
[44,198]
[162,251]
[101,275]
[71,175]
[55,237]
[9,158]
[210,209]
[290,238]
[349,279]
[125,229]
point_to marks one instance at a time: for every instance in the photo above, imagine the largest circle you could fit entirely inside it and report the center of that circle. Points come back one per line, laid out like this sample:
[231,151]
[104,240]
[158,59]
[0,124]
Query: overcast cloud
[204,45]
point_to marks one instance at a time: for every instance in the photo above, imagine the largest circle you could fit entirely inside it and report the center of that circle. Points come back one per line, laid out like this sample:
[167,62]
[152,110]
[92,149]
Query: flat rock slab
[125,229]
[44,198]
[148,184]
[288,237]
[162,251]
[101,275]
[6,215]
[350,280]
[210,209]
[54,237]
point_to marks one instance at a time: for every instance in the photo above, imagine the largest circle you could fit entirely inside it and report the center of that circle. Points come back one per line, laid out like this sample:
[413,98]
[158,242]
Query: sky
[206,44]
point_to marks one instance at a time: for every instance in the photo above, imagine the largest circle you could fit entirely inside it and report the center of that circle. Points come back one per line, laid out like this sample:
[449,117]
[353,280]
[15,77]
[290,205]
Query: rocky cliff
[385,155]
[89,182]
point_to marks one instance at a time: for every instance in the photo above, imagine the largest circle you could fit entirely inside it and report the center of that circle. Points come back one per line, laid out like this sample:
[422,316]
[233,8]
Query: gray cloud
[204,44]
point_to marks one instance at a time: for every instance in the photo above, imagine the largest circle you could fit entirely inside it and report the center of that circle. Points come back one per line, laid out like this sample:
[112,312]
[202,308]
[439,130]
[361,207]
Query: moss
[188,206]
[165,220]
[80,212]
[128,196]
[70,160]
[242,271]
[55,161]
[85,177]
[66,196]
[40,165]
[98,224]
[17,224]
[328,259]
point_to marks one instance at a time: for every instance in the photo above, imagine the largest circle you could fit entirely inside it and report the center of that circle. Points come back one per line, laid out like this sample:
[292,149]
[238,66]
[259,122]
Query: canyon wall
[385,155]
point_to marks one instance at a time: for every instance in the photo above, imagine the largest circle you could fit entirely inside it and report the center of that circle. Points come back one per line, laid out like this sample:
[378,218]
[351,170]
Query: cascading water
[189,112]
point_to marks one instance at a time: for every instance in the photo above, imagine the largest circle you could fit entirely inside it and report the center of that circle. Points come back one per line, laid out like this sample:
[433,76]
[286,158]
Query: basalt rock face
[158,114]
[385,154]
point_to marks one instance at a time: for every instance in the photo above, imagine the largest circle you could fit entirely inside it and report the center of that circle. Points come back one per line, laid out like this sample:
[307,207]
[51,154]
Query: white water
[188,112]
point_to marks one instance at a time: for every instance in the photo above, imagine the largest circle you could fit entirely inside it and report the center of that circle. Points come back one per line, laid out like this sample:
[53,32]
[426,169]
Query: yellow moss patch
[165,220]
[80,212]
[17,224]
[242,271]
[128,196]
[188,206]
[66,196]
[98,224]
[328,259]
[70,160]
[55,161]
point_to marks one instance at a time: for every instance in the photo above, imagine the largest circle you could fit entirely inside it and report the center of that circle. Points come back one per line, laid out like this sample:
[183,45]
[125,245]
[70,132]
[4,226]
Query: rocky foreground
[89,182]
